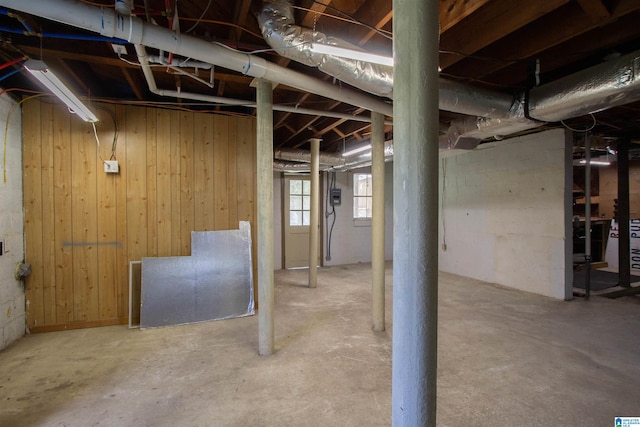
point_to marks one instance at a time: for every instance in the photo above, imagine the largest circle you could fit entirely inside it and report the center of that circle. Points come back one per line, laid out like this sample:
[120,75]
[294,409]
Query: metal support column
[377,220]
[415,213]
[265,218]
[587,215]
[314,215]
[624,239]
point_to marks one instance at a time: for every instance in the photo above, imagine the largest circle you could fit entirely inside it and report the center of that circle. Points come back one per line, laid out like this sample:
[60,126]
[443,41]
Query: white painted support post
[415,213]
[265,218]
[377,220]
[315,212]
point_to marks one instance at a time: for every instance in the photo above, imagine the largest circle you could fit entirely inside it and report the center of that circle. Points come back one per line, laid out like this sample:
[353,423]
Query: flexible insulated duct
[610,84]
[294,42]
[106,21]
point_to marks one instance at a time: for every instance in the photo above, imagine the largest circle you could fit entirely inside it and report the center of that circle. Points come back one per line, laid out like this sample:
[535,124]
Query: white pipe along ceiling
[493,114]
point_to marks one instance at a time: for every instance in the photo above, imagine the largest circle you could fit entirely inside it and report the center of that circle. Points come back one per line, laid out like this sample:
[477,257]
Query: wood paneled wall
[179,172]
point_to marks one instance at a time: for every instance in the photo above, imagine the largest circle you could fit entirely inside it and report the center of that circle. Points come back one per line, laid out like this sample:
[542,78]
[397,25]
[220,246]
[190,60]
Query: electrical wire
[330,185]
[116,132]
[444,194]
[6,131]
[589,128]
[200,18]
[359,22]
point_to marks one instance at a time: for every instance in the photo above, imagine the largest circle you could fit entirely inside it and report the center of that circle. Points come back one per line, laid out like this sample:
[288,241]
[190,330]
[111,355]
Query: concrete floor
[505,358]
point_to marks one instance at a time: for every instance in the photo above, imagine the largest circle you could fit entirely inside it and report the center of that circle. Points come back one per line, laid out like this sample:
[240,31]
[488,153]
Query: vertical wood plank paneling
[232,173]
[163,195]
[201,174]
[136,139]
[176,181]
[33,214]
[48,217]
[107,220]
[179,172]
[63,213]
[221,164]
[209,188]
[122,248]
[187,184]
[152,219]
[84,226]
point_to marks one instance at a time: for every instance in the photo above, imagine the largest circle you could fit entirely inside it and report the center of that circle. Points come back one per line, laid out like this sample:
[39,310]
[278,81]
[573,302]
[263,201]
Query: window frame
[368,197]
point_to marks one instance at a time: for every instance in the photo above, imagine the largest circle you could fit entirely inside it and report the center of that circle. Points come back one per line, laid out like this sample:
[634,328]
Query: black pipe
[624,240]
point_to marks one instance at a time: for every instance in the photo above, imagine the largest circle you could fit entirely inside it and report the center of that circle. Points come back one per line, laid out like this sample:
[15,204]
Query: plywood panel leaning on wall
[84,226]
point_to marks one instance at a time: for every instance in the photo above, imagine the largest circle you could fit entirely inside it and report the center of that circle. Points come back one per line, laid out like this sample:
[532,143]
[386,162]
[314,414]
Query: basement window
[299,202]
[362,196]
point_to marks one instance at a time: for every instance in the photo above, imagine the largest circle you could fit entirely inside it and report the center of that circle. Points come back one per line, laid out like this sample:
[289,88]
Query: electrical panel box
[111,166]
[336,197]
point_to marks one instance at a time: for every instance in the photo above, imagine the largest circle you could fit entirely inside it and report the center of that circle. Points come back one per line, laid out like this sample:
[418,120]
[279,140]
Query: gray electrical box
[336,197]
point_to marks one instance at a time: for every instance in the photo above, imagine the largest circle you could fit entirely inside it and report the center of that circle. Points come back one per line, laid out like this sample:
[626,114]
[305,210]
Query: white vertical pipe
[314,215]
[377,220]
[415,213]
[265,218]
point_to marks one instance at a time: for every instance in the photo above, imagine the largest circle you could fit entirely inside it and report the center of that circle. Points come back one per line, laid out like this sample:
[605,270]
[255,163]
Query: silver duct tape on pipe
[612,83]
[294,42]
[304,156]
[107,22]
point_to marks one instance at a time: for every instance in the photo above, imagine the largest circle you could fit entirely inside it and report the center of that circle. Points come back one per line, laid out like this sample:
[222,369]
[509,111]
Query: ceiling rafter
[595,9]
[488,25]
[454,11]
[535,38]
[132,83]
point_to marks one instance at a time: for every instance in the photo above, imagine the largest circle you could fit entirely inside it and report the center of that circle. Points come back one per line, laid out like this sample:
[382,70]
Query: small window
[299,202]
[362,196]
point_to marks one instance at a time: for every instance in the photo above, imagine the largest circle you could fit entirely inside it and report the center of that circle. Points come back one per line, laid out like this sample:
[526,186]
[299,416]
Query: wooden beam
[70,71]
[302,128]
[132,83]
[454,11]
[242,11]
[567,23]
[317,8]
[491,24]
[381,23]
[595,9]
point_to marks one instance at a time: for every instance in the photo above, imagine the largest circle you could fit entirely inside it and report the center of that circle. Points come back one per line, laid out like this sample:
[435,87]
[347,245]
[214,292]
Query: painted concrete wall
[351,240]
[12,304]
[503,213]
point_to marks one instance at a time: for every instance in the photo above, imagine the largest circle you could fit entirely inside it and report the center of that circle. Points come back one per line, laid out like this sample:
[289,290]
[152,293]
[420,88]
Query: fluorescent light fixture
[595,162]
[356,150]
[44,75]
[351,54]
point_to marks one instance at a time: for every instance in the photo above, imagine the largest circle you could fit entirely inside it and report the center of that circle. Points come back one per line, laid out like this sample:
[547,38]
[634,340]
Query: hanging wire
[6,130]
[200,18]
[589,128]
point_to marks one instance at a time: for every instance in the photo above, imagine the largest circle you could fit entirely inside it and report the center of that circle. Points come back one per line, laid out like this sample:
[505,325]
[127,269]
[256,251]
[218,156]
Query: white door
[297,202]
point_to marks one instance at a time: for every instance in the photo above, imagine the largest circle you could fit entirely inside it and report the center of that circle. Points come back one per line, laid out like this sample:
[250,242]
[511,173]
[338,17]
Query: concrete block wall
[12,302]
[503,213]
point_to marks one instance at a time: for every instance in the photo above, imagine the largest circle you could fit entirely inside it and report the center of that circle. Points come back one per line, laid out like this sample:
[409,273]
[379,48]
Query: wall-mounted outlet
[111,166]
